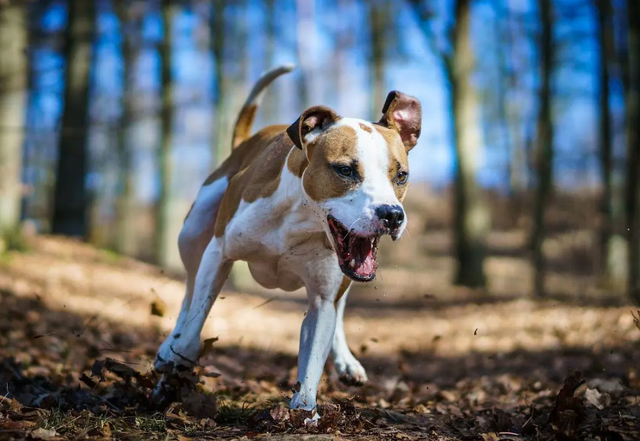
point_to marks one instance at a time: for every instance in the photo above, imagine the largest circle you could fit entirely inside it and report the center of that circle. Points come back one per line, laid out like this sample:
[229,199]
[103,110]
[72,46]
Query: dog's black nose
[391,215]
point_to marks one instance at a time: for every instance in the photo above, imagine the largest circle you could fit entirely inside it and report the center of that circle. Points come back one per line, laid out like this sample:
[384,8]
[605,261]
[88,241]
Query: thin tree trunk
[270,103]
[221,138]
[471,214]
[125,240]
[633,151]
[13,112]
[513,110]
[70,205]
[377,27]
[306,33]
[611,242]
[163,215]
[344,44]
[544,148]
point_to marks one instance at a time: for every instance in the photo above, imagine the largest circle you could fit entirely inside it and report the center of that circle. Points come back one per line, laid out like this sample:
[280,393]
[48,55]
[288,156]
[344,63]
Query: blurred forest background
[113,112]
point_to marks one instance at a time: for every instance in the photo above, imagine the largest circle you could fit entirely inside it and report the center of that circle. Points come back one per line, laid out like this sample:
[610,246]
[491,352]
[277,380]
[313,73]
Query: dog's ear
[403,113]
[314,118]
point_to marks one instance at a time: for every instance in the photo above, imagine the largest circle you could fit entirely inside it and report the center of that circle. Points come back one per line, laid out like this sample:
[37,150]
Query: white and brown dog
[305,206]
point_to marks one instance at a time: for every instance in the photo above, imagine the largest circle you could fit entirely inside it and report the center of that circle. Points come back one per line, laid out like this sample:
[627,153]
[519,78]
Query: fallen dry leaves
[69,375]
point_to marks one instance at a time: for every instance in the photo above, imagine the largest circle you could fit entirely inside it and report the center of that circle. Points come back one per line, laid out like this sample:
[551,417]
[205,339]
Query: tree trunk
[544,148]
[163,231]
[221,138]
[125,240]
[471,214]
[306,33]
[513,110]
[270,103]
[612,245]
[343,58]
[13,112]
[70,215]
[377,27]
[633,151]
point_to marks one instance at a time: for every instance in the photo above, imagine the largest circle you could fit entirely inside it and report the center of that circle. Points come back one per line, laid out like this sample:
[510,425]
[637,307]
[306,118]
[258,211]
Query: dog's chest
[272,234]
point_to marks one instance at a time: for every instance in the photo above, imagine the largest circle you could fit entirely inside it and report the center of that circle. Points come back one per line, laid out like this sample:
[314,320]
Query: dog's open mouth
[356,254]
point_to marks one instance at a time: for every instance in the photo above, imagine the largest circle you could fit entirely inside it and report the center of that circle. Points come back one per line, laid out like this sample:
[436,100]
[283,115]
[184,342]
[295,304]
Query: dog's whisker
[351,226]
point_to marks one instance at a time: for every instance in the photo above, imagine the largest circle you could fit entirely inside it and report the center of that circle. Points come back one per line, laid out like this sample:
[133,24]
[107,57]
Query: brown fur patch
[257,163]
[366,128]
[398,158]
[242,129]
[337,145]
[297,162]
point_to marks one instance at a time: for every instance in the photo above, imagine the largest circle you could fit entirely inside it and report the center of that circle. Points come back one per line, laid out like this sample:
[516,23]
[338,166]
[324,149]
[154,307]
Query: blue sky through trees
[411,67]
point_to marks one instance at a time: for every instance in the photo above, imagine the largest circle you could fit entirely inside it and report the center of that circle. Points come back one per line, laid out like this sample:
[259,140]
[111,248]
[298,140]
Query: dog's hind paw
[171,355]
[351,372]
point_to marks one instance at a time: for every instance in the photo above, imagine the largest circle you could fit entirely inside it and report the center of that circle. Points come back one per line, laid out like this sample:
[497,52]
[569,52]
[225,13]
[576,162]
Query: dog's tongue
[362,252]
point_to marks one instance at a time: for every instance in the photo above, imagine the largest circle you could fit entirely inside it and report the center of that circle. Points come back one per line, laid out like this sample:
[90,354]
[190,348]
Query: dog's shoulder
[253,169]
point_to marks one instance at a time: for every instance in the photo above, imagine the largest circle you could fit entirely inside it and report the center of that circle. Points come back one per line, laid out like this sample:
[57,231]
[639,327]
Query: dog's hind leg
[213,271]
[349,368]
[196,233]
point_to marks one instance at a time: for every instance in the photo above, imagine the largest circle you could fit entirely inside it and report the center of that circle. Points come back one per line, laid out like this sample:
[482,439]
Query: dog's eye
[345,171]
[402,178]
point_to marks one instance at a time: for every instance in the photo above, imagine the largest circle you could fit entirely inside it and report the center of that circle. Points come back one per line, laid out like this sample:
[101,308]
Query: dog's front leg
[316,336]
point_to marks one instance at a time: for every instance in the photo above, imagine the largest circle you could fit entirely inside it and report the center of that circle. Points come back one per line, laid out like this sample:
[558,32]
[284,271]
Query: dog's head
[357,177]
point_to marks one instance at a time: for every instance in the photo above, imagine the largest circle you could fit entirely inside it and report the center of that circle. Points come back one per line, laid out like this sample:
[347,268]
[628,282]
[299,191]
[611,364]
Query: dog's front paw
[301,401]
[351,371]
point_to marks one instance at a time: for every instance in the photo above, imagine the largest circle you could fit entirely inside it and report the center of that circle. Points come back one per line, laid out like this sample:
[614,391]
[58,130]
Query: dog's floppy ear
[403,113]
[314,118]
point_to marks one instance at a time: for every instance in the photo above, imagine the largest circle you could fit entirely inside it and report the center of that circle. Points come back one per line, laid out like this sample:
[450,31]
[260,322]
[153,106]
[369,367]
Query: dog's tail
[242,129]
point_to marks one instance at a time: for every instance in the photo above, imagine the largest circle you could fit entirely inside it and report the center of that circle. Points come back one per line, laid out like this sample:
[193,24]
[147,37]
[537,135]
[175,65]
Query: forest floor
[79,328]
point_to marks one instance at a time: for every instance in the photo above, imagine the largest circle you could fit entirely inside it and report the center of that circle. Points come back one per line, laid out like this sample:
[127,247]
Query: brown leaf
[158,307]
[96,370]
[207,346]
[88,381]
[10,403]
[9,425]
[120,369]
[568,410]
[280,414]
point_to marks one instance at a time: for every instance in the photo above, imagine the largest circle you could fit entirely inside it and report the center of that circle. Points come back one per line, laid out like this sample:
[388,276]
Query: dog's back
[248,149]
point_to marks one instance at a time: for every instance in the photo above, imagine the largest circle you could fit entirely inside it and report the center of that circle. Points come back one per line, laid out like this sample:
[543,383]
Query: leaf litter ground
[79,328]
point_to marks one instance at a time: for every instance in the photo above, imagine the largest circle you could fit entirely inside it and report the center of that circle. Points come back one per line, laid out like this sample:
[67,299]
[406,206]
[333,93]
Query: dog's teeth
[352,264]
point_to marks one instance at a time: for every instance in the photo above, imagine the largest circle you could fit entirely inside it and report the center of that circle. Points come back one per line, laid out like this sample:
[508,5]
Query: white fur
[346,363]
[192,242]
